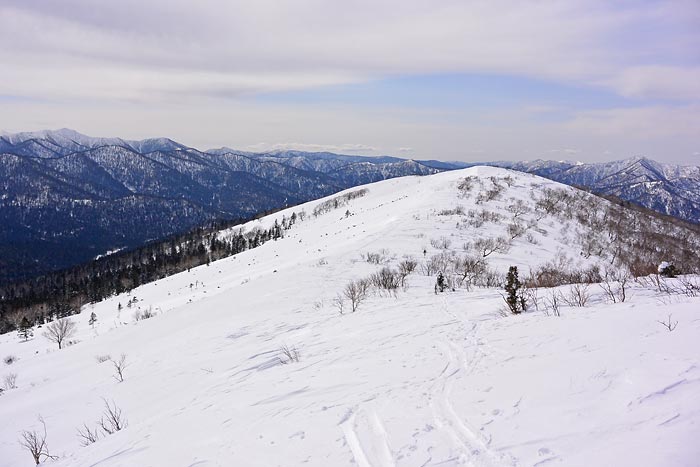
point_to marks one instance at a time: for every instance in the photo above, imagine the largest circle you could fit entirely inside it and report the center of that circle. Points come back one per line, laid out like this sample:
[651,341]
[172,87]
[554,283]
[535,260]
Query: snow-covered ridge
[411,379]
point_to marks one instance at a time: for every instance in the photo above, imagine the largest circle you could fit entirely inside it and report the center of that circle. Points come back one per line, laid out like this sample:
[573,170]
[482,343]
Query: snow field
[415,379]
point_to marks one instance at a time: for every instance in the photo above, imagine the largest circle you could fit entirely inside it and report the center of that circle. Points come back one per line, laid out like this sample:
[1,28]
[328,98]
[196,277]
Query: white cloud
[658,81]
[234,47]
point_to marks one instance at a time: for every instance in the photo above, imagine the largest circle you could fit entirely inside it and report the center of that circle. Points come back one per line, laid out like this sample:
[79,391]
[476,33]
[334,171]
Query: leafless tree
[437,263]
[339,303]
[615,284]
[60,330]
[119,367]
[516,230]
[112,419]
[356,292]
[486,246]
[468,269]
[406,267]
[35,443]
[553,302]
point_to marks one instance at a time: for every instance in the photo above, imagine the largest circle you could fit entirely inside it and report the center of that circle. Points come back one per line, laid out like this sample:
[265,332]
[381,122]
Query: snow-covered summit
[412,378]
[71,140]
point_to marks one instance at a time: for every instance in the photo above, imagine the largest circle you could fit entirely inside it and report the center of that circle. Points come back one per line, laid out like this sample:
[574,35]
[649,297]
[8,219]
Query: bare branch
[669,324]
[112,419]
[35,443]
[119,367]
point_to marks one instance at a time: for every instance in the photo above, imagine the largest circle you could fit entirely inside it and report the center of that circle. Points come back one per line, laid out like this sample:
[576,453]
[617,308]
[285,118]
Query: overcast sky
[452,80]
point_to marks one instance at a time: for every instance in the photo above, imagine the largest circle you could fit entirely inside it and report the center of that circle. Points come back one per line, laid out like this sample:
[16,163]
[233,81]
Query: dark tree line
[63,293]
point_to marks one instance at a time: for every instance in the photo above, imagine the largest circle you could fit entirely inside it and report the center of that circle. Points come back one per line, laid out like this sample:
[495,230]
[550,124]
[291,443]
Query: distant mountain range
[67,198]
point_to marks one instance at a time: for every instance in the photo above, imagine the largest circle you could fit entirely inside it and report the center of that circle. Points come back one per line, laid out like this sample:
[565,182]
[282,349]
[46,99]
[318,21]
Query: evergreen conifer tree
[513,298]
[93,319]
[25,329]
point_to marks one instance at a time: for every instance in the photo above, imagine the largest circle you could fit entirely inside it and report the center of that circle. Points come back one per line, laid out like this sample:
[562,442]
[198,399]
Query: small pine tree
[25,329]
[440,283]
[93,319]
[514,298]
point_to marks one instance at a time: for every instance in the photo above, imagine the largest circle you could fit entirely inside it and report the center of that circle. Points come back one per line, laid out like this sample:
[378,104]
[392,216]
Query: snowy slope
[418,379]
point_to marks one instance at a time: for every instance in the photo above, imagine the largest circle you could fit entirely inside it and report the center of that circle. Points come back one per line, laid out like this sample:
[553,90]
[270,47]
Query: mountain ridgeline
[68,198]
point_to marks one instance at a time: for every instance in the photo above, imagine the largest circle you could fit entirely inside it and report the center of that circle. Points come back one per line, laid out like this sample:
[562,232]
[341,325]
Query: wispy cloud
[237,47]
[336,148]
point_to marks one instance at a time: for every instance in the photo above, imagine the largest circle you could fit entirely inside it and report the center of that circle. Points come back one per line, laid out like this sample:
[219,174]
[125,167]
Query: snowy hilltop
[373,327]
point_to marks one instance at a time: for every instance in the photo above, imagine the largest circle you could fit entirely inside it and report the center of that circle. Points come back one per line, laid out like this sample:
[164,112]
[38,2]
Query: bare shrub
[119,367]
[356,292]
[87,436]
[518,208]
[386,279]
[406,267]
[490,278]
[60,330]
[553,302]
[9,360]
[289,355]
[478,218]
[579,295]
[112,419]
[516,230]
[560,272]
[531,295]
[35,443]
[102,358]
[690,286]
[442,243]
[466,184]
[669,325]
[455,211]
[615,283]
[9,381]
[492,193]
[339,303]
[375,258]
[144,314]
[437,263]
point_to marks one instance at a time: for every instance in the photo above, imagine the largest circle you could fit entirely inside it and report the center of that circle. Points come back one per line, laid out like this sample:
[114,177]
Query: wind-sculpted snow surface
[412,378]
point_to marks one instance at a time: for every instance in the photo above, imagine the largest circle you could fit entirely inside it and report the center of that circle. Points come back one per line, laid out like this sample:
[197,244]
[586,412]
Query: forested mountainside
[68,198]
